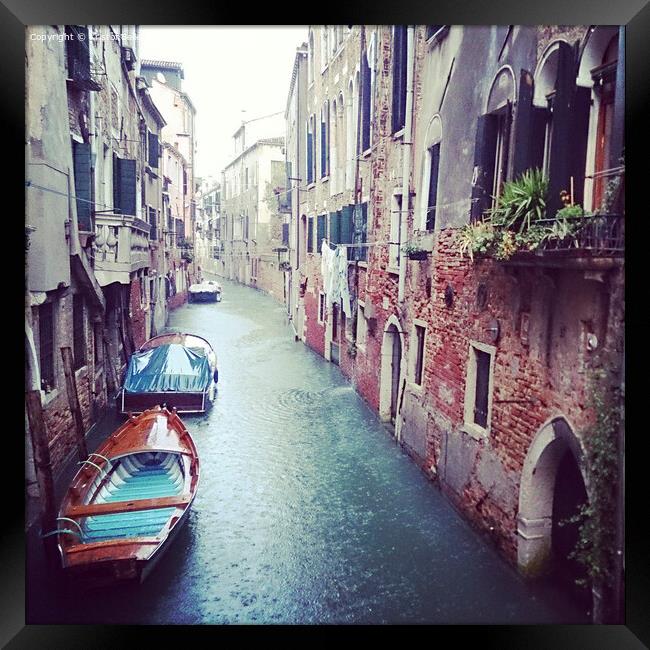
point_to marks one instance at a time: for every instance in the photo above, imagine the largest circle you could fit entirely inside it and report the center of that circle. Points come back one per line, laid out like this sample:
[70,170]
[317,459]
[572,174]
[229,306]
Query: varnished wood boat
[129,499]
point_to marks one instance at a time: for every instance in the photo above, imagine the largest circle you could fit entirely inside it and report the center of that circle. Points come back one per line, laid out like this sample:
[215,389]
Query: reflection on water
[307,512]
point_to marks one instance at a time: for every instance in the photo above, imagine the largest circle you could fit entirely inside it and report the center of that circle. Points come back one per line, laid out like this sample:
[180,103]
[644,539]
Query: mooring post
[73,401]
[43,466]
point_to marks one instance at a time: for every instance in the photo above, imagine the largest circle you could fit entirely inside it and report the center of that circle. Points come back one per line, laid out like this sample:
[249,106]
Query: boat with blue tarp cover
[128,499]
[177,370]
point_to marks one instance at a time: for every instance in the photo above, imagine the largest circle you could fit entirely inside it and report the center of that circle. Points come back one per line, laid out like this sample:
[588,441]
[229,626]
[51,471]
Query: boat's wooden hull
[182,402]
[123,511]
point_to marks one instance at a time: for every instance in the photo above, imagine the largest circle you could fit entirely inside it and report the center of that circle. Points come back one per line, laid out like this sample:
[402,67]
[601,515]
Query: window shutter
[127,184]
[523,127]
[320,234]
[310,235]
[116,184]
[82,184]
[399,78]
[365,104]
[580,109]
[347,226]
[310,153]
[153,150]
[486,139]
[433,187]
[360,218]
[561,143]
[335,230]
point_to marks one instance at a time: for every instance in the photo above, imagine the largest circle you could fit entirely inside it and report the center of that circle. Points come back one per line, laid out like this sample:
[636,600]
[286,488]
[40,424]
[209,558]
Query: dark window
[184,181]
[310,151]
[482,386]
[154,150]
[490,158]
[365,103]
[79,331]
[285,234]
[324,140]
[320,233]
[99,343]
[432,30]
[321,307]
[83,184]
[46,345]
[78,57]
[399,77]
[153,232]
[360,232]
[434,158]
[310,235]
[347,226]
[419,353]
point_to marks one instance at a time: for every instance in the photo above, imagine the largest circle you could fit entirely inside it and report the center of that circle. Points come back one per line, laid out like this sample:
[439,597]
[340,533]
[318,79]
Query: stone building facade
[481,366]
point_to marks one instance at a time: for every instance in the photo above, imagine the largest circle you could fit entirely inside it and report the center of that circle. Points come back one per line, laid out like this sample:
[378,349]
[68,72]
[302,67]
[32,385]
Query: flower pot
[418,255]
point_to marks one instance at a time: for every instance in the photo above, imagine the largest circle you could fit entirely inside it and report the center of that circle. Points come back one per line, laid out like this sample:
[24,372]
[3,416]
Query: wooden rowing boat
[129,499]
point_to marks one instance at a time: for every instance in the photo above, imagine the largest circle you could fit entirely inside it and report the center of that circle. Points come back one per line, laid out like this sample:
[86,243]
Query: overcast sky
[227,70]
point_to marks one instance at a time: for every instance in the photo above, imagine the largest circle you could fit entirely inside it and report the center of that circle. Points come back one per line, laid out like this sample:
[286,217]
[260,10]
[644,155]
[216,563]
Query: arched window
[350,138]
[310,58]
[324,46]
[340,134]
[334,148]
[430,169]
[598,72]
[324,140]
[492,150]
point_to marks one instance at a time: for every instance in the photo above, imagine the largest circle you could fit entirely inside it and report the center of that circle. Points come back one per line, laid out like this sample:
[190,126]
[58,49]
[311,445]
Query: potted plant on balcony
[414,252]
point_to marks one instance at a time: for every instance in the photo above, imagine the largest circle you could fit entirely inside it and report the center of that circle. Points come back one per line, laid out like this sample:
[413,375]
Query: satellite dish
[161,77]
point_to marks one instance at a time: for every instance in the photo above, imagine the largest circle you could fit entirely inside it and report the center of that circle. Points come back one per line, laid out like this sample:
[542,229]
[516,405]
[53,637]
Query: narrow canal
[307,511]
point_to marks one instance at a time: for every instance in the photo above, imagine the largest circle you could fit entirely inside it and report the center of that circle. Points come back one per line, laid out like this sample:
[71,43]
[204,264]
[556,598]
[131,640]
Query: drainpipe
[406,160]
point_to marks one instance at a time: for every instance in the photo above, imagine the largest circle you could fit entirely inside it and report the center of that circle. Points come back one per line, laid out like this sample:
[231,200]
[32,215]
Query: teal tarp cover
[170,367]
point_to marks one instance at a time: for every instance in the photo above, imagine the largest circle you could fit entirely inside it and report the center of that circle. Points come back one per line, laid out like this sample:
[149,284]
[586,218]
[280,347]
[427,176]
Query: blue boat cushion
[171,367]
[146,475]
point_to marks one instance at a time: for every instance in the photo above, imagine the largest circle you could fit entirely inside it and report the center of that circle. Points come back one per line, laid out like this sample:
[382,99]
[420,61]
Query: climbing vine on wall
[596,548]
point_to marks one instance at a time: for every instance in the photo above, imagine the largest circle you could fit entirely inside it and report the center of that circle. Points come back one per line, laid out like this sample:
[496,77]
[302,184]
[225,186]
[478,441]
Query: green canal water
[307,511]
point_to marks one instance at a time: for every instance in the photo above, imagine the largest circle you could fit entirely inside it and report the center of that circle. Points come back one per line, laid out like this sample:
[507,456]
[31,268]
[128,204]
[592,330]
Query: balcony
[590,241]
[518,231]
[121,246]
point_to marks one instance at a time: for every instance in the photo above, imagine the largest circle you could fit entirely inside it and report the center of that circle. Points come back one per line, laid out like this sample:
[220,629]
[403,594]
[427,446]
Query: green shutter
[320,233]
[335,230]
[82,184]
[310,235]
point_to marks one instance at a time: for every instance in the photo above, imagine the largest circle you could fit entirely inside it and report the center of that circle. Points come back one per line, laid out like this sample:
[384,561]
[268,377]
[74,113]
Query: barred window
[46,345]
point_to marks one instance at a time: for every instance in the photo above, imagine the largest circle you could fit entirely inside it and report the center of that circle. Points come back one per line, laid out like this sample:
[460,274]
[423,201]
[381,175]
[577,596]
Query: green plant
[476,237]
[522,202]
[596,548]
[411,247]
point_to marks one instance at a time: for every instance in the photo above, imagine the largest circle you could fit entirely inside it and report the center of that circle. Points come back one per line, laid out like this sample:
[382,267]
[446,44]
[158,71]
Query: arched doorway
[391,371]
[553,487]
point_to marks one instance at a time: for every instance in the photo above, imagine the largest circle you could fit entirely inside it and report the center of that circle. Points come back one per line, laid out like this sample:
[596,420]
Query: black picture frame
[635,14]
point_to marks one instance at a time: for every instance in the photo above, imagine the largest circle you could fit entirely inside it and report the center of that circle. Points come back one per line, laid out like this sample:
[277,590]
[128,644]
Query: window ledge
[49,397]
[475,431]
[399,134]
[362,264]
[323,179]
[416,389]
[366,153]
[394,270]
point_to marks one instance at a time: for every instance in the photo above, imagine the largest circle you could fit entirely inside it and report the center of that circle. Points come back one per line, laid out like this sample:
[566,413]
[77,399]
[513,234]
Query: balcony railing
[121,246]
[600,235]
